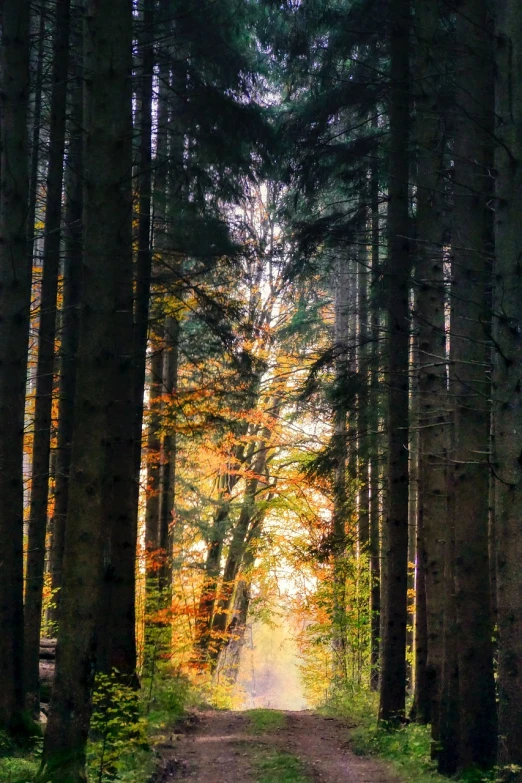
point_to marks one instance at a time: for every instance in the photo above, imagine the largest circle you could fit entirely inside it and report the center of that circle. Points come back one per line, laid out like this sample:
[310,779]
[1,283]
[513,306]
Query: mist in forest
[269,674]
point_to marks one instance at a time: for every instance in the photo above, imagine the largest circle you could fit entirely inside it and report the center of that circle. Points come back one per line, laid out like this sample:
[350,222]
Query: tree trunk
[45,366]
[363,376]
[154,450]
[470,356]
[416,639]
[15,294]
[506,382]
[36,121]
[341,504]
[393,676]
[447,751]
[70,319]
[429,316]
[106,292]
[144,256]
[168,457]
[152,513]
[373,429]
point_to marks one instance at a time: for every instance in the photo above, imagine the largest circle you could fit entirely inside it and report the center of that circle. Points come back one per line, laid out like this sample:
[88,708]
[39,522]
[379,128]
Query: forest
[260,369]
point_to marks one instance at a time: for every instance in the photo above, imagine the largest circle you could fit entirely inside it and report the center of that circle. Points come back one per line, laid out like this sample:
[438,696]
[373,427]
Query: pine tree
[393,675]
[506,388]
[15,292]
[106,279]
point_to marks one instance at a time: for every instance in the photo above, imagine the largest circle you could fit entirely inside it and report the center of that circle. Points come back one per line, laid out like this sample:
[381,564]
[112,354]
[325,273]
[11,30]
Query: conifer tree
[15,294]
[106,315]
[506,387]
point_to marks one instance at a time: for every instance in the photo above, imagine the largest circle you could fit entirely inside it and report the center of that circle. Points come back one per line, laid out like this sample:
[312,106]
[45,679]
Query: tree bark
[393,675]
[506,381]
[106,298]
[15,294]
[373,427]
[46,360]
[144,256]
[470,356]
[341,504]
[168,456]
[363,377]
[429,316]
[70,317]
[154,450]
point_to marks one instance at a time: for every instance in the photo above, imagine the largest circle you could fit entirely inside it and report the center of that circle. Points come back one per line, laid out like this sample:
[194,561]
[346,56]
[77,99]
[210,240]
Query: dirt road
[294,747]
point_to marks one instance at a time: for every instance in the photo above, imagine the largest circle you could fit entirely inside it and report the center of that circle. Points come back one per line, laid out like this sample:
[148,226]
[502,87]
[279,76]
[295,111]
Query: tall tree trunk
[373,430]
[168,458]
[36,120]
[429,316]
[70,315]
[470,355]
[506,381]
[363,376]
[341,504]
[447,750]
[144,256]
[156,384]
[15,293]
[154,450]
[416,638]
[393,676]
[45,365]
[95,468]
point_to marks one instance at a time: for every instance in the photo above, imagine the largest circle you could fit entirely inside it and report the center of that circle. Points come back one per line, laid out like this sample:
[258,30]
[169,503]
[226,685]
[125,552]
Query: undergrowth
[124,729]
[407,749]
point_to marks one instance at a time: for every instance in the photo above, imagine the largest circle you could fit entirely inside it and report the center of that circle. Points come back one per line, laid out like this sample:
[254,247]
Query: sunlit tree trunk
[341,504]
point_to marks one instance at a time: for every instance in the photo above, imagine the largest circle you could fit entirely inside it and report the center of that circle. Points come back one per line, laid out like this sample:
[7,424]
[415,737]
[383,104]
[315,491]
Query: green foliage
[117,728]
[18,764]
[165,700]
[18,769]
[407,748]
[276,767]
[262,720]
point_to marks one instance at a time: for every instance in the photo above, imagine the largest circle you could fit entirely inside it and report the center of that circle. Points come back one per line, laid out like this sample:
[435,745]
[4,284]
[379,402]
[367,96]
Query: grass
[407,749]
[263,720]
[273,766]
[18,769]
[19,763]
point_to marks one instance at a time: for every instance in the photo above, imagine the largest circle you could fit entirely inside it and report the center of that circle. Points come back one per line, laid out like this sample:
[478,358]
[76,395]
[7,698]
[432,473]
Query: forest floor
[265,746]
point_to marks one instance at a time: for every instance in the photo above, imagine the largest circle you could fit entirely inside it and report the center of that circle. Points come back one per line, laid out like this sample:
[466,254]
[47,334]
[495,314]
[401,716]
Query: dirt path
[222,747]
